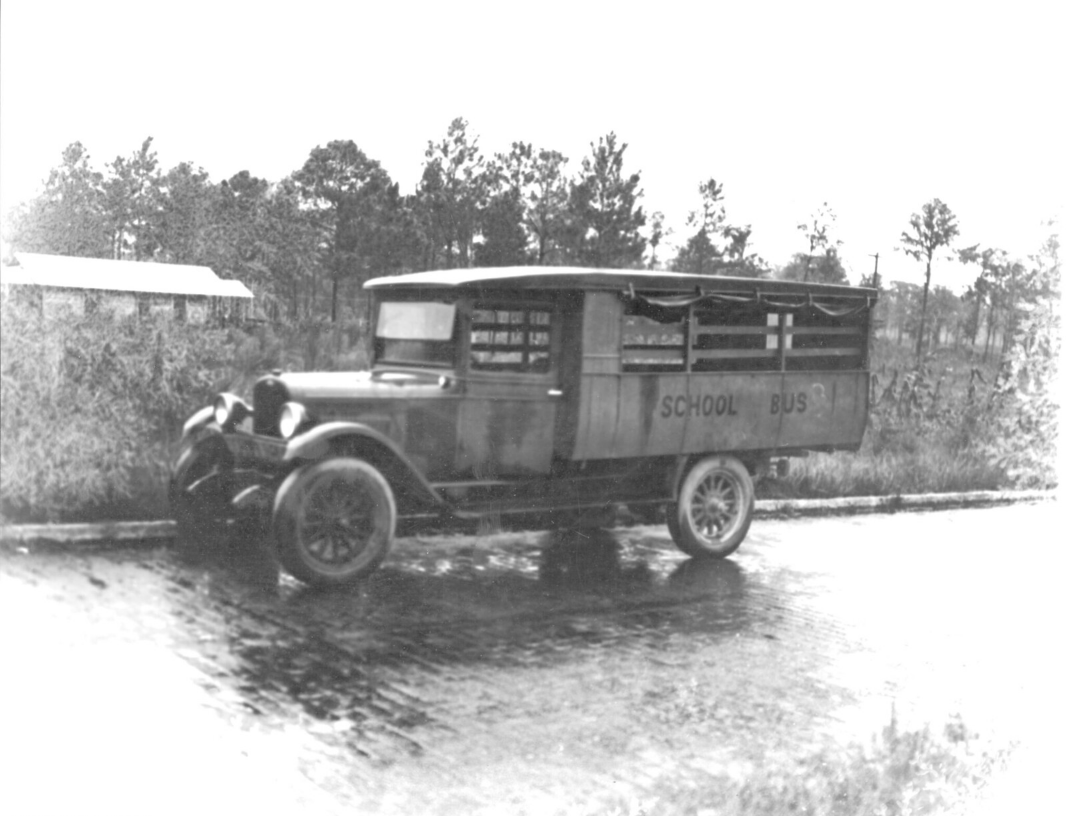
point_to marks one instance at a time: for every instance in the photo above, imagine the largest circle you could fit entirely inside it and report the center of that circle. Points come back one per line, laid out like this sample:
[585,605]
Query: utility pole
[875,256]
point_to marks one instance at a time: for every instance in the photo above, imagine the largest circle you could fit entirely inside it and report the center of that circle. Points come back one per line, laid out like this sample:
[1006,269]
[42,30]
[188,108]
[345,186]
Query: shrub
[90,406]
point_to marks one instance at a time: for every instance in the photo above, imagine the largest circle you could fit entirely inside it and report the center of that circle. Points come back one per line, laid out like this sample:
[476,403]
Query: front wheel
[714,508]
[334,521]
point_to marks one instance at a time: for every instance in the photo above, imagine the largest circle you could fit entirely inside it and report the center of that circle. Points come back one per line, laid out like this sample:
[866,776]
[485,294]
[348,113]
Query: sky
[874,109]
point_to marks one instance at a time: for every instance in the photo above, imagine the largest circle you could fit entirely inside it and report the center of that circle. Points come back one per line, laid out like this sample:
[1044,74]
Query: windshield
[415,333]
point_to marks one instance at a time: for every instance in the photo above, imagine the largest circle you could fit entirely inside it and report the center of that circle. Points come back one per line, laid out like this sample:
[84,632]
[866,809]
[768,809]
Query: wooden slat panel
[717,330]
[826,330]
[823,352]
[658,354]
[731,354]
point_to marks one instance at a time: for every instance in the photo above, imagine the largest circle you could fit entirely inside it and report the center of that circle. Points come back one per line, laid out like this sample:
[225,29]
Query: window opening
[736,337]
[510,339]
[821,342]
[415,333]
[651,344]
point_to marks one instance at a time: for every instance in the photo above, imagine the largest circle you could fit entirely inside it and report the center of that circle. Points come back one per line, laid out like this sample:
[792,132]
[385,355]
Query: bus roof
[582,278]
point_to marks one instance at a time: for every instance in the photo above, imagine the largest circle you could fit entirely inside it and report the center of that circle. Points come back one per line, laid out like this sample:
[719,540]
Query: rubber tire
[201,511]
[731,480]
[356,482]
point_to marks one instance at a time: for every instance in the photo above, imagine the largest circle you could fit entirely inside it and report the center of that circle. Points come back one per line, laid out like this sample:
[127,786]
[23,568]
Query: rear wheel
[714,508]
[334,521]
[199,492]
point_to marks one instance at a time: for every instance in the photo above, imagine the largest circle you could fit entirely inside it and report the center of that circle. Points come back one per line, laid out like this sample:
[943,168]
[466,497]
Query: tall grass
[91,408]
[955,423]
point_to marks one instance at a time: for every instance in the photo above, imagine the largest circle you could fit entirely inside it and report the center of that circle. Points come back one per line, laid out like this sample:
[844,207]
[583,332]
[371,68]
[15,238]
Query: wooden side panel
[640,430]
[598,415]
[601,342]
[669,414]
[596,404]
[738,397]
[823,408]
[506,427]
[723,412]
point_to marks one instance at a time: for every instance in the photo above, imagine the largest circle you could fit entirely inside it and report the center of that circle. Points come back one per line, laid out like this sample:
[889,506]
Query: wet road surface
[523,672]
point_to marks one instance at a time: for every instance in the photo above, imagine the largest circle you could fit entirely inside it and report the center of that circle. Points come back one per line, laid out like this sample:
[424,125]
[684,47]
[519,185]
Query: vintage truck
[535,390]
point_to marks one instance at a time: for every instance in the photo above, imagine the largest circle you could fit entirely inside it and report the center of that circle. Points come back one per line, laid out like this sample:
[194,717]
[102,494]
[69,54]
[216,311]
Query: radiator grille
[269,396]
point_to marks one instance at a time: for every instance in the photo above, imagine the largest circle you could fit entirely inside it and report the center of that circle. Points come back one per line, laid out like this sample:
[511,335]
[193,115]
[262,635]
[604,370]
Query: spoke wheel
[199,493]
[334,521]
[714,508]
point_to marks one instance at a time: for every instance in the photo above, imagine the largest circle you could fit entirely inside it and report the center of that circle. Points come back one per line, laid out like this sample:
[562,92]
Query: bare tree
[934,227]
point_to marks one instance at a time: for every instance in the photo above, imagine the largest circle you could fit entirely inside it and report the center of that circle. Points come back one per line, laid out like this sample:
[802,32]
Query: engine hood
[381,384]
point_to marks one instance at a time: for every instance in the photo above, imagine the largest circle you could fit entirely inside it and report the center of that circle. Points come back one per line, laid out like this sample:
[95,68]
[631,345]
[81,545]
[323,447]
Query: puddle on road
[361,658]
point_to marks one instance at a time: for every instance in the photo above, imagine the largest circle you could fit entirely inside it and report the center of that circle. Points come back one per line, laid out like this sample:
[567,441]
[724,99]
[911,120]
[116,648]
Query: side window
[737,337]
[825,342]
[505,338]
[651,345]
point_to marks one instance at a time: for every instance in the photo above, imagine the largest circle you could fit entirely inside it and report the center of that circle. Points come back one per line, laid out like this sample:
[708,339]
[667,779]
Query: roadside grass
[940,427]
[898,772]
[91,408]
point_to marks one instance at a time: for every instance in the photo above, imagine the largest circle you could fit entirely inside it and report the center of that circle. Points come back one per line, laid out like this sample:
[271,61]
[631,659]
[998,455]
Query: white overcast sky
[872,108]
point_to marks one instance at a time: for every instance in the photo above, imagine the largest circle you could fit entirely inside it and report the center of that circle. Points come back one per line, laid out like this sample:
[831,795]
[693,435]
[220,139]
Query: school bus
[535,390]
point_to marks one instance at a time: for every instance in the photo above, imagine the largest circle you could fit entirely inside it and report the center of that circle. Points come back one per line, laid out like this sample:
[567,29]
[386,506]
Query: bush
[90,408]
[951,424]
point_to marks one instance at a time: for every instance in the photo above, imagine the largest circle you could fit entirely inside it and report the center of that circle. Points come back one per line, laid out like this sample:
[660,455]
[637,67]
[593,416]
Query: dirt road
[517,673]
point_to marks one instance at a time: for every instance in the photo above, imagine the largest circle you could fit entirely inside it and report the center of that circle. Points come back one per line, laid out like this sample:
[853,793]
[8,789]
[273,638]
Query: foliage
[606,220]
[133,195]
[349,196]
[536,182]
[897,772]
[452,194]
[69,216]
[85,400]
[825,268]
[658,231]
[702,249]
[717,247]
[1024,408]
[817,233]
[931,229]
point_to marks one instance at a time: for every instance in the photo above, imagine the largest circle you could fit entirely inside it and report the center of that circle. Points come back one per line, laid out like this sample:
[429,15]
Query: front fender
[201,419]
[198,425]
[318,442]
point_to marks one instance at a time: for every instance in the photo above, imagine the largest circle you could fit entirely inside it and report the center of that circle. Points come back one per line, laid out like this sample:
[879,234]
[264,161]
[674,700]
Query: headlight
[229,410]
[293,415]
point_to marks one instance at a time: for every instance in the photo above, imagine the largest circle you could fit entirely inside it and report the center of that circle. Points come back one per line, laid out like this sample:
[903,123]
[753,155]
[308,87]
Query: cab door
[507,414]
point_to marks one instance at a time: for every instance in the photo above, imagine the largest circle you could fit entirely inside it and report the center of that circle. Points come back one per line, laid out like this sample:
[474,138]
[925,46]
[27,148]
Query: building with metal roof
[124,287]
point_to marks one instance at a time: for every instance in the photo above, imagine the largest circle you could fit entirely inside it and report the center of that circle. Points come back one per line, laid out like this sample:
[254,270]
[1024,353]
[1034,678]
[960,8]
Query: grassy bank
[91,410]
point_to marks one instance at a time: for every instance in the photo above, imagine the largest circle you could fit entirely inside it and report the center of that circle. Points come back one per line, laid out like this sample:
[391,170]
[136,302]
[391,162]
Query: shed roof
[563,277]
[119,276]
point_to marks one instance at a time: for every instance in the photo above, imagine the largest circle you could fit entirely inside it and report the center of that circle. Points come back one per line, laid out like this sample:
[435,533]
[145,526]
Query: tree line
[305,244]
